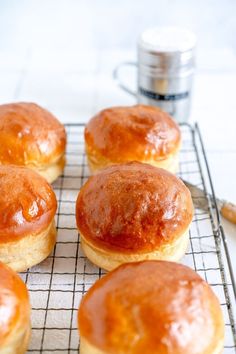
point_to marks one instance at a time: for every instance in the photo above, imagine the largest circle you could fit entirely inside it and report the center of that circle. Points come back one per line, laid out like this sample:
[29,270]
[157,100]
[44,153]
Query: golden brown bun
[14,313]
[31,136]
[27,208]
[134,209]
[151,307]
[138,133]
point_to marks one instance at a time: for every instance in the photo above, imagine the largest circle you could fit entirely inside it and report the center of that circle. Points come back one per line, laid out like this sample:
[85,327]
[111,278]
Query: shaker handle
[116,77]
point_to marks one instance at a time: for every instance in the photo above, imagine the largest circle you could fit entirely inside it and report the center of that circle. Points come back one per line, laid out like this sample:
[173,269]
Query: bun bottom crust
[111,260]
[50,172]
[53,171]
[18,342]
[87,348]
[97,163]
[30,250]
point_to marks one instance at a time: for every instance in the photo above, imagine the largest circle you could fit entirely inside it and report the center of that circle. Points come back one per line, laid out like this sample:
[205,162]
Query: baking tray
[57,285]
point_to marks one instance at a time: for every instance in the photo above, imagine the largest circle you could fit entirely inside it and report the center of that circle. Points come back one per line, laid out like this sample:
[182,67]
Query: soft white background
[61,53]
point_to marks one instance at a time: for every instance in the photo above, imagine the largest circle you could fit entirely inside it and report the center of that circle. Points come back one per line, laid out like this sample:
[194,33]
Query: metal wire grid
[57,285]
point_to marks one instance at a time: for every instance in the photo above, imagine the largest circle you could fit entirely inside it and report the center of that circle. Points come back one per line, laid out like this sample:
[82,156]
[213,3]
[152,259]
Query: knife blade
[227,209]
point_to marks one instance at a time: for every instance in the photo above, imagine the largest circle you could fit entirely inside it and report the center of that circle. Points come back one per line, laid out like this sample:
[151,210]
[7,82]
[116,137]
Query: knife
[227,209]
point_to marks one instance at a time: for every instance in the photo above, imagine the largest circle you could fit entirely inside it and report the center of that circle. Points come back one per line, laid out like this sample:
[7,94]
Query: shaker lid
[166,51]
[167,39]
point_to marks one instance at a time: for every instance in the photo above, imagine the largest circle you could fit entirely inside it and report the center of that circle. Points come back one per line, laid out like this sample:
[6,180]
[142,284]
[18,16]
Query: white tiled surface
[61,53]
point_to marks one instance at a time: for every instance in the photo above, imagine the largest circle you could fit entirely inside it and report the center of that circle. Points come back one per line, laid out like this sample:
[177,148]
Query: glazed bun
[132,212]
[139,133]
[27,208]
[14,313]
[31,136]
[151,307]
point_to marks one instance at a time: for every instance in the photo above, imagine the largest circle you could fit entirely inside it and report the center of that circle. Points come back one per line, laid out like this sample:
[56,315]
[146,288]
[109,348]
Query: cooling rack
[57,285]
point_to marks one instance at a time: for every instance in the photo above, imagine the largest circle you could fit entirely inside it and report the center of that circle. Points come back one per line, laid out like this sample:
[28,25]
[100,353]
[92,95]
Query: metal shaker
[166,62]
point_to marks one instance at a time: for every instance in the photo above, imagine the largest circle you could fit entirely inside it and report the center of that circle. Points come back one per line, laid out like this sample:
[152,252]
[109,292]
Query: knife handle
[228,211]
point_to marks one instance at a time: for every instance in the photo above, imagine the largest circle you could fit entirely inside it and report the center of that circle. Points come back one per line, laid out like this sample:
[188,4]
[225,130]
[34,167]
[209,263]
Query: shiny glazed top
[30,135]
[152,307]
[133,207]
[132,133]
[27,203]
[14,303]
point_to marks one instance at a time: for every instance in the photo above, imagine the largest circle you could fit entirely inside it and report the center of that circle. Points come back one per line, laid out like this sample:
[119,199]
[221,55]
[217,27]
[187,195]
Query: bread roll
[14,313]
[139,133]
[31,136]
[131,212]
[151,307]
[27,208]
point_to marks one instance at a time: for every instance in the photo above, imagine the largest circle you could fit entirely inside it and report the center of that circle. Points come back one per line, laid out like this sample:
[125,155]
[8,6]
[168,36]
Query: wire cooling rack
[57,285]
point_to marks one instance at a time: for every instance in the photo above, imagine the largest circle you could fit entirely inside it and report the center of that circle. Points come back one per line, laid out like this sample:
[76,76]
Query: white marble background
[61,53]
